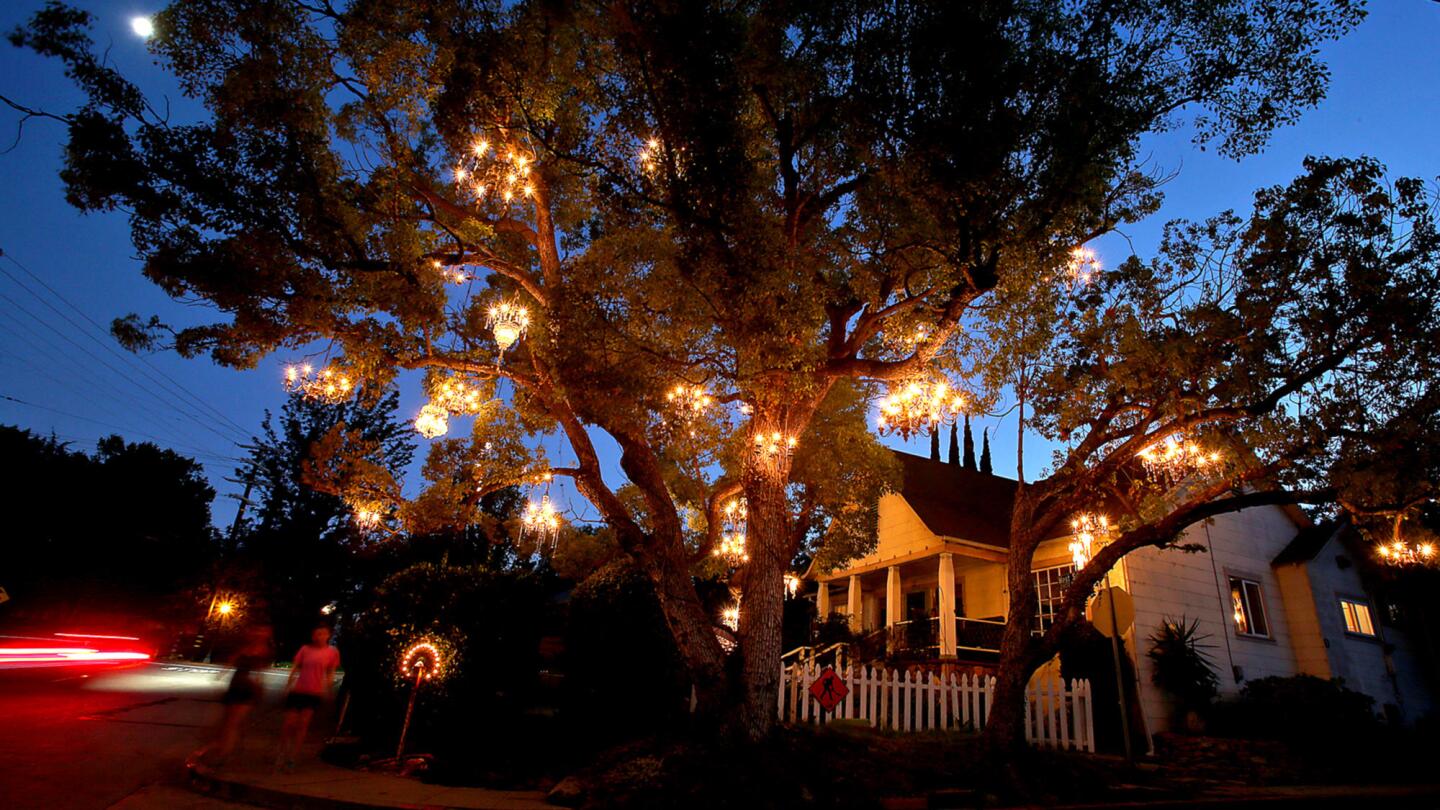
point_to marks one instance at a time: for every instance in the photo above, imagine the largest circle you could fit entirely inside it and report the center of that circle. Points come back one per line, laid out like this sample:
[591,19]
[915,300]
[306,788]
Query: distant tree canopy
[124,532]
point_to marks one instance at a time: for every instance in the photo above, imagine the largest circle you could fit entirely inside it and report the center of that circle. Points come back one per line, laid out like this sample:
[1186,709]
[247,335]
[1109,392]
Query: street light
[142,26]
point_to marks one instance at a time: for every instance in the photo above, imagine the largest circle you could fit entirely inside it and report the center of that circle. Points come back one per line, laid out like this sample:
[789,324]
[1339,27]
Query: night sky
[71,379]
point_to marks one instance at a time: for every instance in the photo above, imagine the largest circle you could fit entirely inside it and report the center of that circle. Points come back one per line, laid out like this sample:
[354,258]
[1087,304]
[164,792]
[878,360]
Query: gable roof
[955,502]
[1307,543]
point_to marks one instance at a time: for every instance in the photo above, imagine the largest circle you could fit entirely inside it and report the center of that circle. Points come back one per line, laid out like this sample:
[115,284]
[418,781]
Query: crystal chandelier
[774,447]
[1399,552]
[457,396]
[792,585]
[1088,532]
[330,385]
[732,533]
[1174,457]
[730,617]
[541,521]
[690,400]
[917,406]
[1083,267]
[489,175]
[508,323]
[367,514]
[433,421]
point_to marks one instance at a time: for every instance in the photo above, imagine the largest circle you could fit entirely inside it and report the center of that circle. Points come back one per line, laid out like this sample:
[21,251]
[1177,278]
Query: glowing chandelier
[508,322]
[458,396]
[542,522]
[1399,552]
[367,514]
[732,535]
[1175,457]
[330,385]
[918,406]
[730,617]
[489,175]
[433,421]
[1088,532]
[774,447]
[1083,267]
[792,585]
[690,400]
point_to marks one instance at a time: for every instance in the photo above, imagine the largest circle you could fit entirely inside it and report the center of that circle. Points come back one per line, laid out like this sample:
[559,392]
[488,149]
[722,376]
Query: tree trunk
[762,606]
[1005,732]
[693,630]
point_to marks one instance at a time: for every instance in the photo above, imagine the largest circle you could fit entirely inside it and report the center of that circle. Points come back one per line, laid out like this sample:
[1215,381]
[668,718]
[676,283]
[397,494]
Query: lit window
[1248,603]
[1050,585]
[1357,617]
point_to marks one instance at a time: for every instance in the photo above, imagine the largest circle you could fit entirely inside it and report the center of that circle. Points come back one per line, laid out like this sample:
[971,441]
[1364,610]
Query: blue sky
[71,379]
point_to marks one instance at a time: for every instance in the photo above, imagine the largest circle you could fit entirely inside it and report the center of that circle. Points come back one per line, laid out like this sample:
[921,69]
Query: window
[1050,585]
[1357,617]
[1248,602]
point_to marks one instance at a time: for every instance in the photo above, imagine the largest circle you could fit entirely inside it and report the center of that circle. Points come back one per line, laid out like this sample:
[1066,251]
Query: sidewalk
[249,777]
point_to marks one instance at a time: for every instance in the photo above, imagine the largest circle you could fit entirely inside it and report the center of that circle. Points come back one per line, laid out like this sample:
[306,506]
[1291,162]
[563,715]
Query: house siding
[1360,661]
[1173,583]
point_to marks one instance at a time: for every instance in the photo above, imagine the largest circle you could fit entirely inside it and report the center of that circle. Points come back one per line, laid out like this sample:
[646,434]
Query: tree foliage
[785,203]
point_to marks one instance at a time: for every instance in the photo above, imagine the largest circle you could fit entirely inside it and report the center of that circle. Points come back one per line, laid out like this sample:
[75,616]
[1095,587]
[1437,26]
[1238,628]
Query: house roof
[1307,543]
[955,502]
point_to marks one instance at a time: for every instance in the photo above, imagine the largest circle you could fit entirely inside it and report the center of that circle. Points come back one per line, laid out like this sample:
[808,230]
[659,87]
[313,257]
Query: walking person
[256,652]
[311,679]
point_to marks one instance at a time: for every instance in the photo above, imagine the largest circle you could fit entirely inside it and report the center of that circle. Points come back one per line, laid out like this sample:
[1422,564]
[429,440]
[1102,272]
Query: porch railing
[922,636]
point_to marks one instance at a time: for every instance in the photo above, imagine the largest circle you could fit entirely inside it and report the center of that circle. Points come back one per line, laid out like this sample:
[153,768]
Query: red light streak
[93,635]
[67,655]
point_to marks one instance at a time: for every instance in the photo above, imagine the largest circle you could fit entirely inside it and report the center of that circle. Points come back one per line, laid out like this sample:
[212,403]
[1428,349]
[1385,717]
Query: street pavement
[107,739]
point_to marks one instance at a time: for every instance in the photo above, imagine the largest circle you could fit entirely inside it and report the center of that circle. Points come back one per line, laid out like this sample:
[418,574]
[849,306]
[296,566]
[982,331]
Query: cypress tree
[934,442]
[985,454]
[969,445]
[955,445]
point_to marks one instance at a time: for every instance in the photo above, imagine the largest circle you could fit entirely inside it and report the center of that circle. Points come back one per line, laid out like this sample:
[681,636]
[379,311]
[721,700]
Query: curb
[206,782]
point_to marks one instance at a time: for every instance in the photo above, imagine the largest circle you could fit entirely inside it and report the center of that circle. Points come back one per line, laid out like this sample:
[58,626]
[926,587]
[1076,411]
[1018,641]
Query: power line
[168,403]
[59,359]
[114,426]
[174,385]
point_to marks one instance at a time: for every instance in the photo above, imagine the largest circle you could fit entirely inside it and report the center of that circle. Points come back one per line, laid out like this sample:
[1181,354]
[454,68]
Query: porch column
[947,605]
[822,601]
[854,605]
[894,598]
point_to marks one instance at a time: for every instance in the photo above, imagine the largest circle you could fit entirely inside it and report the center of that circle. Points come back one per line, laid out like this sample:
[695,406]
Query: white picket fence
[1058,714]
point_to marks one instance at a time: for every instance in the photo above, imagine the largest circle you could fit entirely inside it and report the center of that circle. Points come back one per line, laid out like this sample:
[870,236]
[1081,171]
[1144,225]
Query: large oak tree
[784,202]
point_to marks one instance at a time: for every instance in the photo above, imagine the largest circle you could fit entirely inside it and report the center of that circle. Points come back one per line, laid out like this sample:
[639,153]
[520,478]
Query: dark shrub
[1301,709]
[1183,667]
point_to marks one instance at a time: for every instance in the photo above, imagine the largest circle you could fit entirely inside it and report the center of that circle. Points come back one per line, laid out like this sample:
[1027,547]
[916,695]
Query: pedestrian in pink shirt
[311,679]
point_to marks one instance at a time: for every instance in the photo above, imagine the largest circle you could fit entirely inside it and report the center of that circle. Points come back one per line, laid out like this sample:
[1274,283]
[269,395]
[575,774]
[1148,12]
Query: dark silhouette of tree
[120,536]
[935,443]
[954,455]
[302,546]
[985,465]
[969,445]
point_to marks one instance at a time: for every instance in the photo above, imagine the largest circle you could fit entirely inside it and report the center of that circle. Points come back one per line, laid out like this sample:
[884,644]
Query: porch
[944,605]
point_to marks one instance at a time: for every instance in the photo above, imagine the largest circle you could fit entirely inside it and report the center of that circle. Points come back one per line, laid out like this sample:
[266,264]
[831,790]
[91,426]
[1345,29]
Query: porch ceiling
[958,549]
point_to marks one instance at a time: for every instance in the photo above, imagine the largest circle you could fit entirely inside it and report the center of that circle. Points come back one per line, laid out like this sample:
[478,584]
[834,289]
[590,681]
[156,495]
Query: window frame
[1346,600]
[1248,607]
[1050,592]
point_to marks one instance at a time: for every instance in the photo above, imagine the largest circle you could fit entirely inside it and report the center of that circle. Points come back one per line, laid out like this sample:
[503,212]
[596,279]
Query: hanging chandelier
[792,585]
[542,522]
[918,406]
[488,175]
[1173,458]
[1400,552]
[330,385]
[367,514]
[730,617]
[433,421]
[774,447]
[457,396]
[1083,267]
[1088,533]
[731,546]
[508,322]
[690,400]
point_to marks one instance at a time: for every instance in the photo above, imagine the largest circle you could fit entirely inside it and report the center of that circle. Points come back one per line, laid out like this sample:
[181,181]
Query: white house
[1275,595]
